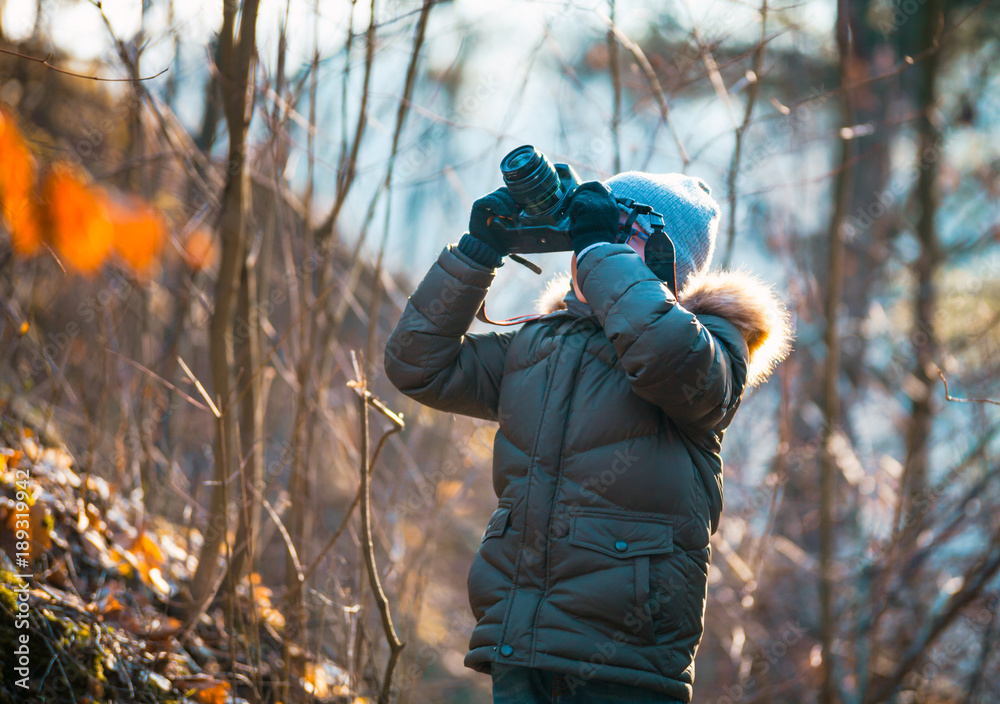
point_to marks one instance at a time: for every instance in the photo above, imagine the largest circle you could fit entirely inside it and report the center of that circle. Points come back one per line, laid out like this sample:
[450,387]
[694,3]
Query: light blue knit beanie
[690,214]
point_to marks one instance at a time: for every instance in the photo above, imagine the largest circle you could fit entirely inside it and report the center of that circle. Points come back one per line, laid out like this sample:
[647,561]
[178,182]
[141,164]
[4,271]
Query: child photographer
[590,581]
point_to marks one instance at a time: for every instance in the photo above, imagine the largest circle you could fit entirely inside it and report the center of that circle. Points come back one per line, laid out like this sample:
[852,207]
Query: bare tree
[236,52]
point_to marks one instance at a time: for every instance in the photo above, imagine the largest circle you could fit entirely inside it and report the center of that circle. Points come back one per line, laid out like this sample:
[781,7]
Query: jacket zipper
[527,495]
[559,476]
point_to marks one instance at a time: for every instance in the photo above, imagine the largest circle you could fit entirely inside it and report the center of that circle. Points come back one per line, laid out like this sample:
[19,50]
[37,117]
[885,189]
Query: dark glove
[593,216]
[485,245]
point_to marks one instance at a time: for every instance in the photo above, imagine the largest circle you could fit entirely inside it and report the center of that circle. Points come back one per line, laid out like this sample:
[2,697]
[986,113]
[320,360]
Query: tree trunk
[236,53]
[923,336]
[831,374]
[251,420]
[872,201]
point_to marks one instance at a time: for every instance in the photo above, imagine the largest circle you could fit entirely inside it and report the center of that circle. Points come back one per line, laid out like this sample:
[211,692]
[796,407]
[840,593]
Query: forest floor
[90,602]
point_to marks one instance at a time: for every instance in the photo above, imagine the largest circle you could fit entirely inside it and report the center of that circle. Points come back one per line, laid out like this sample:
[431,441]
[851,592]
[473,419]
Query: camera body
[543,191]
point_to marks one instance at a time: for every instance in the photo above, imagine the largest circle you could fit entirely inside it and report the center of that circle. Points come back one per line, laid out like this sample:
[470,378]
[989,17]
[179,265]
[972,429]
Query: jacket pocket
[631,541]
[621,535]
[489,578]
[498,522]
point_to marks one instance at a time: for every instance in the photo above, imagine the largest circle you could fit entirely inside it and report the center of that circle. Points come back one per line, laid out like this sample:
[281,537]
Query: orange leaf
[81,230]
[203,689]
[38,531]
[139,232]
[217,694]
[17,186]
[199,250]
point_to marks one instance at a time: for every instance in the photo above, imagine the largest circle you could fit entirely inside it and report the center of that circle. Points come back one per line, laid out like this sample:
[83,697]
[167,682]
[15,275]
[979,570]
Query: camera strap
[659,253]
[516,320]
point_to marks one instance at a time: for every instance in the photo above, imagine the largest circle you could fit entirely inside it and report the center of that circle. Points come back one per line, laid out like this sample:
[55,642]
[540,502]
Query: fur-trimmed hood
[737,296]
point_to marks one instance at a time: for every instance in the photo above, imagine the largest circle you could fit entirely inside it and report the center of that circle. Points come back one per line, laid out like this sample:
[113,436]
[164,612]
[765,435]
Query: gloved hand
[593,216]
[483,244]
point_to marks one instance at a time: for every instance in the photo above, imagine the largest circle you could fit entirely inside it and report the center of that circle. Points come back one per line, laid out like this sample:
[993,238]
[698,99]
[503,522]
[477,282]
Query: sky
[77,27]
[521,102]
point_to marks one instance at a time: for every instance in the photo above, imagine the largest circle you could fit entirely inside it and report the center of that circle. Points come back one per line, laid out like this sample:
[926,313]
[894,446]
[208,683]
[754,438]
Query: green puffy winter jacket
[606,462]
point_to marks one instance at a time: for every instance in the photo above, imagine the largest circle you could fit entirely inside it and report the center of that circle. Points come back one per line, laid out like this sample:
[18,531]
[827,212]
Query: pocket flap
[620,535]
[498,523]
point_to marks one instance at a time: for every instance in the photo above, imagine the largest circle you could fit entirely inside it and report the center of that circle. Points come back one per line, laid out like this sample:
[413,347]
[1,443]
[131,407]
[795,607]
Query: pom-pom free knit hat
[690,214]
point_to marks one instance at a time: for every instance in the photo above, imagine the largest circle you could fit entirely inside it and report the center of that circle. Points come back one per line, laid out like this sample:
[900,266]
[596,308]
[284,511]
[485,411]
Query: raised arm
[695,370]
[430,356]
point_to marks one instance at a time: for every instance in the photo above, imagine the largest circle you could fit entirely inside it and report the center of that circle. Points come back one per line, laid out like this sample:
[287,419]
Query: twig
[281,529]
[988,566]
[734,167]
[614,65]
[150,372]
[201,389]
[399,425]
[711,67]
[654,83]
[832,403]
[906,63]
[949,397]
[360,385]
[347,168]
[401,112]
[45,62]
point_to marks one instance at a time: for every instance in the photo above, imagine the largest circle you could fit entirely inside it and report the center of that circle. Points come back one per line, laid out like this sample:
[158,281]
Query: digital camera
[543,191]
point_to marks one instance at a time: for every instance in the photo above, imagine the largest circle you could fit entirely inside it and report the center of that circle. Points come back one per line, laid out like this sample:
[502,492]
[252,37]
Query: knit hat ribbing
[690,214]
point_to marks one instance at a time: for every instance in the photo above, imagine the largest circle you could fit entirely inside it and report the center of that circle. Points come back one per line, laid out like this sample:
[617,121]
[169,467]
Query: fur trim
[551,299]
[753,307]
[737,296]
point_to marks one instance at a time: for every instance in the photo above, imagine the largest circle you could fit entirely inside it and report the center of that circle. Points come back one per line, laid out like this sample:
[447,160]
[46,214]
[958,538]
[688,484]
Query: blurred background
[213,213]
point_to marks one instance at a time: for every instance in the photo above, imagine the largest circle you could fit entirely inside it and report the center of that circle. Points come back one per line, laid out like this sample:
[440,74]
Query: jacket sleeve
[432,358]
[694,369]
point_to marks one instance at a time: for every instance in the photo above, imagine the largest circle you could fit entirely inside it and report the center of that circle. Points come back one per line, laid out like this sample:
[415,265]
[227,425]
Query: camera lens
[532,180]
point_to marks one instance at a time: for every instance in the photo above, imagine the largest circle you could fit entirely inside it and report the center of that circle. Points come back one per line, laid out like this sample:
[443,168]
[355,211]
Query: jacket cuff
[464,269]
[582,252]
[608,272]
[479,252]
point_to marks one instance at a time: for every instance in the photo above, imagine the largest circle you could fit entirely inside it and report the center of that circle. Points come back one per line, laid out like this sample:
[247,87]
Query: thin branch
[832,404]
[654,83]
[45,62]
[281,529]
[949,397]
[988,567]
[753,77]
[150,372]
[347,168]
[401,113]
[614,64]
[360,385]
[198,385]
[397,421]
